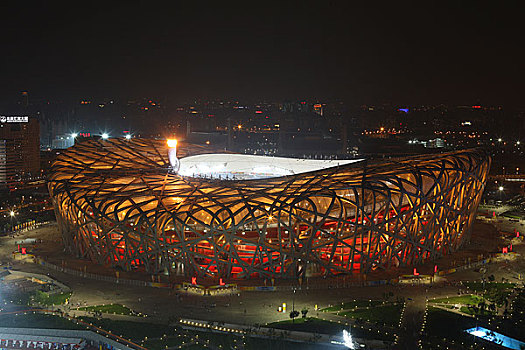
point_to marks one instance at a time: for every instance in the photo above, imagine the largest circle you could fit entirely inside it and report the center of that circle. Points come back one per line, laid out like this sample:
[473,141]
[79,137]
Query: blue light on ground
[496,337]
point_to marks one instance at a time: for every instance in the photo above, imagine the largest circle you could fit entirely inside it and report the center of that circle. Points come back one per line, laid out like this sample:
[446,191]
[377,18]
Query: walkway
[411,323]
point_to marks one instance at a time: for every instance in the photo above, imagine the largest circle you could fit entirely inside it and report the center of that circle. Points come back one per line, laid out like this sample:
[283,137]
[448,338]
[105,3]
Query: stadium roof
[241,166]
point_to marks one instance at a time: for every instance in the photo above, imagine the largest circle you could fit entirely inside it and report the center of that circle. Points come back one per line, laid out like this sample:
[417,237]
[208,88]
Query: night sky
[454,52]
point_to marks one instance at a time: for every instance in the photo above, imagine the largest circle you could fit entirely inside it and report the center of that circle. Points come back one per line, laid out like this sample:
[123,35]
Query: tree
[304,312]
[293,315]
[481,306]
[492,307]
[491,278]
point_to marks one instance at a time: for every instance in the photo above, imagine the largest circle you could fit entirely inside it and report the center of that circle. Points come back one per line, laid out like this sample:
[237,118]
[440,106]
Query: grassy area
[493,291]
[135,331]
[475,312]
[478,286]
[388,314]
[109,309]
[446,329]
[50,299]
[205,340]
[159,336]
[353,304]
[462,299]
[316,325]
[309,324]
[43,298]
[37,320]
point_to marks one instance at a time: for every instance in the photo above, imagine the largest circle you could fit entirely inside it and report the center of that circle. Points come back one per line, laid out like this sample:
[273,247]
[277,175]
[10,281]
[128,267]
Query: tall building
[19,148]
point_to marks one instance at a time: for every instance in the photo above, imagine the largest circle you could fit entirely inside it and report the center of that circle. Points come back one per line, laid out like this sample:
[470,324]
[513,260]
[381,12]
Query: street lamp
[500,188]
[12,215]
[293,304]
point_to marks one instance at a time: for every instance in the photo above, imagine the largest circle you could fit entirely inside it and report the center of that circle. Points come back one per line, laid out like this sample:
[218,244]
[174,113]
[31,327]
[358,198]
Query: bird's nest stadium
[123,203]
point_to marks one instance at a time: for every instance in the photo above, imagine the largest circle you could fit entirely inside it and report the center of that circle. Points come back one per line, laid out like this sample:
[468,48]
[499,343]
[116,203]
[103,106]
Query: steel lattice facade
[117,204]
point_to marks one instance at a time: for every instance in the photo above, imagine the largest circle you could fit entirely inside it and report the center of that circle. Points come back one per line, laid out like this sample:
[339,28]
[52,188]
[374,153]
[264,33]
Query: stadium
[179,209]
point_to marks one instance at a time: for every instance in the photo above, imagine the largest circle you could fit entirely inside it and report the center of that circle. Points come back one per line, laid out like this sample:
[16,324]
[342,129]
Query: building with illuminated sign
[119,202]
[19,148]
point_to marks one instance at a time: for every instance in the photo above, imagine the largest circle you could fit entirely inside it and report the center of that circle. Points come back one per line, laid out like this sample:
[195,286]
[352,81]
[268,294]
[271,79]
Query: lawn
[309,324]
[135,331]
[206,340]
[43,298]
[388,314]
[443,327]
[37,320]
[493,291]
[472,312]
[316,325]
[478,286]
[462,299]
[50,299]
[353,304]
[109,309]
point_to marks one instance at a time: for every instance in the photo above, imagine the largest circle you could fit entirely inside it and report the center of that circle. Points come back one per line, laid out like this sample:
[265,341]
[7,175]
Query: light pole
[293,305]
[12,215]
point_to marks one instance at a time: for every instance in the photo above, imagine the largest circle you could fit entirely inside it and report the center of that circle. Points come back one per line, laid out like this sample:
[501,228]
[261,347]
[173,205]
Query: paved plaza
[163,305]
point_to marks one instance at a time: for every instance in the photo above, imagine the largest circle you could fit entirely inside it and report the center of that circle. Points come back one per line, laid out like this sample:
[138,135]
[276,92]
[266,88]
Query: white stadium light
[128,136]
[105,136]
[347,342]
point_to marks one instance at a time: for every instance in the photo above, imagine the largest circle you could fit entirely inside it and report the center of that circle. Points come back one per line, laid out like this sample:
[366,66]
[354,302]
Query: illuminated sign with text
[14,119]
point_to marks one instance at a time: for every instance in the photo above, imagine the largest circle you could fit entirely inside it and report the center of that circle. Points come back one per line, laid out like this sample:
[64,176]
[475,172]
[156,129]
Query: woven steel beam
[117,204]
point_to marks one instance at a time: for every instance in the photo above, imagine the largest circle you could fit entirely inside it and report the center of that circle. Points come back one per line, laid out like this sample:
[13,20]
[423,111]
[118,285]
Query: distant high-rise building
[19,148]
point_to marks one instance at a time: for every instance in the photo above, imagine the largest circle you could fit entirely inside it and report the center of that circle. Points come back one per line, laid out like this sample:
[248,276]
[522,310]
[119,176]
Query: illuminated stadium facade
[121,203]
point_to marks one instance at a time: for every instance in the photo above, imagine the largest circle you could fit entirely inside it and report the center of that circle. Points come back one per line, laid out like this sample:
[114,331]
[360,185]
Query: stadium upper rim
[142,156]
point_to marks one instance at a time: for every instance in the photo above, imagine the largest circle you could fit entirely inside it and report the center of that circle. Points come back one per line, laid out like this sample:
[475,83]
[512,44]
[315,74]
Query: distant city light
[172,143]
[128,136]
[517,142]
[501,188]
[499,140]
[12,213]
[105,136]
[403,110]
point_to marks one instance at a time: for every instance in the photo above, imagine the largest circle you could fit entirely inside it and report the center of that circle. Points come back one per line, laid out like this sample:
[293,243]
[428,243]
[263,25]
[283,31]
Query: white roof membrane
[243,167]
